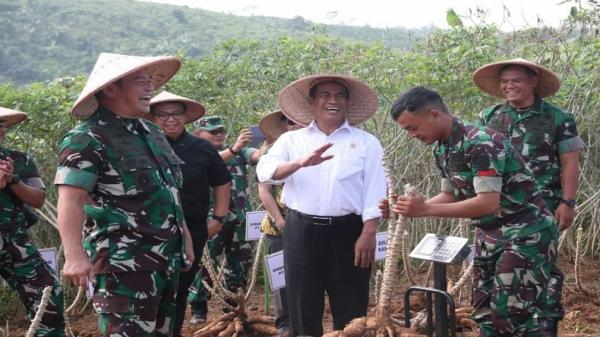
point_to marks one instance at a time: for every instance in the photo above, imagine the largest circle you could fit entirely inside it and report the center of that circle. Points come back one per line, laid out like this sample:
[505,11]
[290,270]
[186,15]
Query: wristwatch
[220,219]
[15,180]
[569,202]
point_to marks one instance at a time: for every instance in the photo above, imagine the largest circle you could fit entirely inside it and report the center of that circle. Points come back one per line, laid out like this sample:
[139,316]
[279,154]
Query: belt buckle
[321,221]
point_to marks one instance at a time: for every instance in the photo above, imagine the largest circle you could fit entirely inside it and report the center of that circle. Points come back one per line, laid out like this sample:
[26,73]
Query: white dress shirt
[351,182]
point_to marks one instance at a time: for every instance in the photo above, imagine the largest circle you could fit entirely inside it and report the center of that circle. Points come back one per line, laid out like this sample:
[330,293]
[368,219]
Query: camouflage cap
[209,123]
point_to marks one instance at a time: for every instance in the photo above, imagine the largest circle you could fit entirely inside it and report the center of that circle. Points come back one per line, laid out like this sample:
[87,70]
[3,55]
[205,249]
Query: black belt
[318,220]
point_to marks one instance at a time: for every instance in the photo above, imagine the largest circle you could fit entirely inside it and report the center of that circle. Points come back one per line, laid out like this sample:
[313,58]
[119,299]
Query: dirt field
[582,318]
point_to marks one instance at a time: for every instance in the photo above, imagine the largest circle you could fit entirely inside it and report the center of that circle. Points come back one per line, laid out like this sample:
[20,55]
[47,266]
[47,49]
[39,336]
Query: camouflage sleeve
[567,139]
[246,153]
[487,166]
[78,161]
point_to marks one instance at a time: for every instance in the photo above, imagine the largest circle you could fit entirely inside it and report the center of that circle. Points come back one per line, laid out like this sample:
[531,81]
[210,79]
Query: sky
[392,13]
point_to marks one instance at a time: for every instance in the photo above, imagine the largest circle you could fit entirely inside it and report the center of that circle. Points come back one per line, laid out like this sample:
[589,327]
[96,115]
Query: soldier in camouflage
[21,264]
[231,239]
[543,134]
[120,171]
[485,179]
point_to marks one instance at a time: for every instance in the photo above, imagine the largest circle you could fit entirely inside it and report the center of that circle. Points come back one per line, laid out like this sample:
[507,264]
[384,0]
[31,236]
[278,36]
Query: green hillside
[44,39]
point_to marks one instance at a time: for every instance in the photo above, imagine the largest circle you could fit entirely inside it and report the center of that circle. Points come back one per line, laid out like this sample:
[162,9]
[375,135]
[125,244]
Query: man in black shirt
[203,169]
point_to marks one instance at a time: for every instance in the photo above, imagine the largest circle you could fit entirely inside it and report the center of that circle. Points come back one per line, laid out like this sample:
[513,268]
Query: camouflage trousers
[514,286]
[23,268]
[135,304]
[237,253]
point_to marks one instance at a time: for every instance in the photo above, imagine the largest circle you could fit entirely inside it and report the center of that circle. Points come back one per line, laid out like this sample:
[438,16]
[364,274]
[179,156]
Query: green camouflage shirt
[477,160]
[539,134]
[240,194]
[132,174]
[11,212]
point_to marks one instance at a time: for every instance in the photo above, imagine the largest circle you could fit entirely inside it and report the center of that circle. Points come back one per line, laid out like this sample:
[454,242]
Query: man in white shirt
[333,182]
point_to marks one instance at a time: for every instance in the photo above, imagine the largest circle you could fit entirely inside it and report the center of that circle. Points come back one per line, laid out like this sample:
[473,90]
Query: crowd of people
[139,197]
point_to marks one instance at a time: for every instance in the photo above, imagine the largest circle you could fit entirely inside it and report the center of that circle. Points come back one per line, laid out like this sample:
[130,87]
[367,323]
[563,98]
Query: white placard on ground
[274,264]
[49,255]
[253,220]
[381,244]
[471,255]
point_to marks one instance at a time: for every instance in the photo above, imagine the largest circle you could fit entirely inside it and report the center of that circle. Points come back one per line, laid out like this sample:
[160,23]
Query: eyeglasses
[216,131]
[175,115]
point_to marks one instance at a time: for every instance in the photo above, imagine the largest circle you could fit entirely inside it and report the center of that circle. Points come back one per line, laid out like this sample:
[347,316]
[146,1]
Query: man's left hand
[189,253]
[564,216]
[364,249]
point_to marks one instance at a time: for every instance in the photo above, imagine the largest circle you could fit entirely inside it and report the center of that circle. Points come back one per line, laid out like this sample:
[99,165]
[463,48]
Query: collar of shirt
[535,108]
[133,125]
[314,127]
[184,140]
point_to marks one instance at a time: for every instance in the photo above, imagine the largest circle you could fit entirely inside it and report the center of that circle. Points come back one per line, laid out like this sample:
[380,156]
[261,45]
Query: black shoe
[548,327]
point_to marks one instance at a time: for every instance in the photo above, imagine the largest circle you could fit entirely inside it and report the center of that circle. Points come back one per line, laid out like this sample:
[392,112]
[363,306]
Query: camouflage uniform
[539,134]
[516,248]
[135,240]
[231,239]
[21,264]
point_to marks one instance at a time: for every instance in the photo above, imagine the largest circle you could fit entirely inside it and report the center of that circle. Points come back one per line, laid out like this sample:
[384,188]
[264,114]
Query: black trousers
[199,238]
[319,259]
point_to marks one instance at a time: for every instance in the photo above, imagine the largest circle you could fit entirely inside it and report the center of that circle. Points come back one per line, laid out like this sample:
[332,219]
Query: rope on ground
[37,320]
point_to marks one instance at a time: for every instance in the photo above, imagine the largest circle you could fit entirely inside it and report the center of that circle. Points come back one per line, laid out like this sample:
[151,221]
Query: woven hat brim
[11,117]
[162,69]
[193,110]
[486,78]
[272,126]
[295,101]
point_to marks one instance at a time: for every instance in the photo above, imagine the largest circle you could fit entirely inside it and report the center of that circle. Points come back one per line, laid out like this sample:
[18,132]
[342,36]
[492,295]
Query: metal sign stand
[441,250]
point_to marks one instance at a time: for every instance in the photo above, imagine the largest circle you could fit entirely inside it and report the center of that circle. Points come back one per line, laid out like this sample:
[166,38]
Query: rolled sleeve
[487,184]
[75,177]
[570,145]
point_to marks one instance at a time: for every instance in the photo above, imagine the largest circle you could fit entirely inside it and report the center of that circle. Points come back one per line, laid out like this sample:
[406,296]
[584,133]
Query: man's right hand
[78,270]
[243,139]
[316,157]
[213,227]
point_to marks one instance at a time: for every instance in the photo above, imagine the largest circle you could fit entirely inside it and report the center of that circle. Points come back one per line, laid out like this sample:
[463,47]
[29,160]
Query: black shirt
[203,168]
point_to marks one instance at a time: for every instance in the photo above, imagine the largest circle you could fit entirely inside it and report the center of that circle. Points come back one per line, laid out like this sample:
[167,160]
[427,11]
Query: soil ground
[582,308]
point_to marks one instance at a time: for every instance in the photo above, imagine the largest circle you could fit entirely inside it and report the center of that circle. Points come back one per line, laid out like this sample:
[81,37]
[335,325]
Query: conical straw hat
[295,101]
[272,126]
[11,117]
[486,77]
[193,109]
[112,67]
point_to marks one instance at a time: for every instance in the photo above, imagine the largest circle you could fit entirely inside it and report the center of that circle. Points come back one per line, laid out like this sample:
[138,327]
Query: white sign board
[253,220]
[50,256]
[381,244]
[90,290]
[274,264]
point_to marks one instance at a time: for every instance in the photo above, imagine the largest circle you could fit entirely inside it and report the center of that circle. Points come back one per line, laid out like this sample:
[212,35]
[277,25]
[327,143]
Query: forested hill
[45,39]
